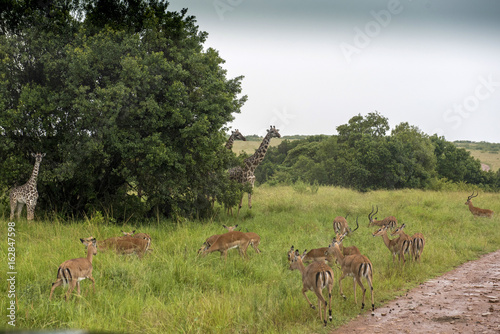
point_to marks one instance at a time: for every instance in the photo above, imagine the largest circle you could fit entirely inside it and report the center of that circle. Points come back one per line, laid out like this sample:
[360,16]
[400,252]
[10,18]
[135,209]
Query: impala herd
[315,266]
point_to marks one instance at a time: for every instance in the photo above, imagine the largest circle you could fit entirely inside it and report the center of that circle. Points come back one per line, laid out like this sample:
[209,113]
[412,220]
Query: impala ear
[82,240]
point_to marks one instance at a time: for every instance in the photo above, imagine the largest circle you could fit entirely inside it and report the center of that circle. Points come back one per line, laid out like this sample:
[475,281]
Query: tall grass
[172,290]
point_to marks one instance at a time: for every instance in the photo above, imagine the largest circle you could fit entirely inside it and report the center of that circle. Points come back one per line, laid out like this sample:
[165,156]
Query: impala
[390,221]
[73,271]
[351,250]
[126,245]
[356,265]
[477,212]
[417,246]
[404,243]
[340,225]
[136,235]
[392,244]
[211,239]
[227,241]
[315,277]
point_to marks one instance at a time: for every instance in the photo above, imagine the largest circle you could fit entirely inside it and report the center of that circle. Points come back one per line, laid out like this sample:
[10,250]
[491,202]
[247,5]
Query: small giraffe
[246,174]
[235,135]
[27,193]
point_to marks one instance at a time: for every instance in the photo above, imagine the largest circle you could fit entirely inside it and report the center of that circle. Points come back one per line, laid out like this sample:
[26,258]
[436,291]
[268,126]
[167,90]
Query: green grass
[172,290]
[486,153]
[250,146]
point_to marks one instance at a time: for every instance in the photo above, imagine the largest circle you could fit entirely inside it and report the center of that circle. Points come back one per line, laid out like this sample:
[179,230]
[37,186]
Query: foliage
[129,107]
[363,157]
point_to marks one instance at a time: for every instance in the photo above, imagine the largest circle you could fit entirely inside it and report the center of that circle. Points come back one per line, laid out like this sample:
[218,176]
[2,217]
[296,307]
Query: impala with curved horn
[477,212]
[391,221]
[340,225]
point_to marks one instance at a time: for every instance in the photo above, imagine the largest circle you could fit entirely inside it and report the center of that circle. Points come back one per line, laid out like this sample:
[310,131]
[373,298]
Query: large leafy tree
[125,100]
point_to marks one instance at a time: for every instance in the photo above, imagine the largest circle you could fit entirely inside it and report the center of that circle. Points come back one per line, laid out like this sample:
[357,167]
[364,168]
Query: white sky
[310,66]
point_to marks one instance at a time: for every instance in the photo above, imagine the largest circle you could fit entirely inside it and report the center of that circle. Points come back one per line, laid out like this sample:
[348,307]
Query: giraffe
[245,174]
[27,193]
[235,135]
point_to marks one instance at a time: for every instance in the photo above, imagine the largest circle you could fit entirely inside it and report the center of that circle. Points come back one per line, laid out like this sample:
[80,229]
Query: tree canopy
[129,106]
[364,157]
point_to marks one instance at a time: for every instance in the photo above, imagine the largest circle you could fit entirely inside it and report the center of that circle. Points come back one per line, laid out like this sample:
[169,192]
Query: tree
[129,114]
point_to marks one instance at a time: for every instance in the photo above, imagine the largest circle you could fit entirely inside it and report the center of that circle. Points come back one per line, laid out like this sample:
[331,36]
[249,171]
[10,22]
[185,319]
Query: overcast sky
[310,66]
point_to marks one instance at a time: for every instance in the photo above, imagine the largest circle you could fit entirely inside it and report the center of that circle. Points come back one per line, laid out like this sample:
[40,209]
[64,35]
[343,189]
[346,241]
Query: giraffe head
[38,156]
[273,132]
[237,135]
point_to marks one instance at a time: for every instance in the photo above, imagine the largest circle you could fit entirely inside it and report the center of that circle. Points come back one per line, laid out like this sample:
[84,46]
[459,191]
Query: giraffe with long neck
[27,193]
[245,174]
[235,135]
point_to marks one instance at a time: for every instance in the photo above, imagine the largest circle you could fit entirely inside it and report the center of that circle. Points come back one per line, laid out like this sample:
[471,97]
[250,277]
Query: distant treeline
[480,146]
[364,157]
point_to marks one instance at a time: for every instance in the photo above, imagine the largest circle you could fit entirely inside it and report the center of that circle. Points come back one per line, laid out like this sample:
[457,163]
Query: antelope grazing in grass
[73,271]
[390,221]
[315,277]
[417,246]
[340,225]
[211,239]
[227,241]
[392,244]
[136,235]
[357,265]
[477,212]
[404,243]
[126,245]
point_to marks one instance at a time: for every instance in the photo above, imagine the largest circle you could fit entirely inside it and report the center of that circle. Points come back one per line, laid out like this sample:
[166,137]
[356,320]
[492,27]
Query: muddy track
[464,300]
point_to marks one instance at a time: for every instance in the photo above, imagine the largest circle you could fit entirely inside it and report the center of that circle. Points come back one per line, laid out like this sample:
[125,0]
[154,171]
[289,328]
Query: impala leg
[340,285]
[72,285]
[57,283]
[78,287]
[330,287]
[93,282]
[354,286]
[369,279]
[358,279]
[310,304]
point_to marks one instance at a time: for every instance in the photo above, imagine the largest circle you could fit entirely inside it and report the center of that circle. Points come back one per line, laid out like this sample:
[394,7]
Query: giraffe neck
[34,175]
[253,161]
[230,141]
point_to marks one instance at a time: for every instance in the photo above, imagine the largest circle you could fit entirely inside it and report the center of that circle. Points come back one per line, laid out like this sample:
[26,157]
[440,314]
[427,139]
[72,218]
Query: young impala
[315,277]
[417,246]
[477,212]
[125,245]
[356,265]
[404,243]
[227,241]
[73,271]
[392,244]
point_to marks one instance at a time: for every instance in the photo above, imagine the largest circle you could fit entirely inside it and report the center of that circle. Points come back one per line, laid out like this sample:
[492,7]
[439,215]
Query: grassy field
[171,290]
[486,153]
[250,146]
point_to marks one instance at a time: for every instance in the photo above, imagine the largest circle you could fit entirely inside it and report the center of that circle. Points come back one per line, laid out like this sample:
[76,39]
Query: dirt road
[464,300]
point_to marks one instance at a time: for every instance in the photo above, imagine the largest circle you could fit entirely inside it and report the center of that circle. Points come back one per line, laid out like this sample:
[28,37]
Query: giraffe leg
[19,210]
[30,208]
[13,206]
